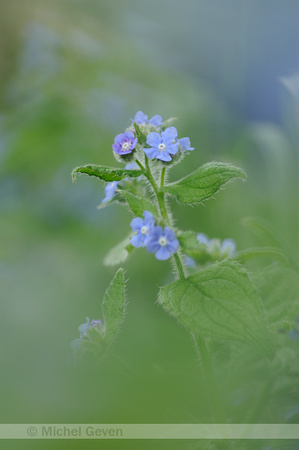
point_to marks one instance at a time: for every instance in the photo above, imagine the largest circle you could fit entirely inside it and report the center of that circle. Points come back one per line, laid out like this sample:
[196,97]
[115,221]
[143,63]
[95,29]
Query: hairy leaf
[204,182]
[139,204]
[106,173]
[279,288]
[118,254]
[220,302]
[113,306]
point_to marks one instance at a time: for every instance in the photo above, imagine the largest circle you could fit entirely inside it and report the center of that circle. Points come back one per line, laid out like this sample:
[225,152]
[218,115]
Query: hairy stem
[162,205]
[211,383]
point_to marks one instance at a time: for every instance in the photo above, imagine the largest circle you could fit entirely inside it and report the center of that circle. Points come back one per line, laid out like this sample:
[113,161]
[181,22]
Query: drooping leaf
[106,173]
[248,254]
[204,182]
[220,302]
[113,306]
[119,253]
[263,231]
[139,204]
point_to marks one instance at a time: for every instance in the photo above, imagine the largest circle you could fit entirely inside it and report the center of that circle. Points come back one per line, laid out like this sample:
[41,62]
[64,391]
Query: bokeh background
[72,74]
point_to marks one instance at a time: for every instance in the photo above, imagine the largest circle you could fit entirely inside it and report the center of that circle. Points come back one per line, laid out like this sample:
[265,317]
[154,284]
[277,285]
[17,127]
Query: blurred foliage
[71,78]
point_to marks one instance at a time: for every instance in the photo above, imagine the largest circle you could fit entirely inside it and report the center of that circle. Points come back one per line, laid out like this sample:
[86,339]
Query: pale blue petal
[203,239]
[185,143]
[169,135]
[151,152]
[148,218]
[163,156]
[156,120]
[173,148]
[140,117]
[136,224]
[173,245]
[162,254]
[138,240]
[154,139]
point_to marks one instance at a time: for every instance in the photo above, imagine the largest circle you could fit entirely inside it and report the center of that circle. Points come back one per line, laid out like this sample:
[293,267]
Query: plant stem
[209,375]
[162,205]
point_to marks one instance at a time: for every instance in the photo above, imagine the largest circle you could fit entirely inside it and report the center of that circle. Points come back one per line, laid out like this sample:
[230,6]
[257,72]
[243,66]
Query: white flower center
[144,230]
[161,147]
[163,241]
[125,146]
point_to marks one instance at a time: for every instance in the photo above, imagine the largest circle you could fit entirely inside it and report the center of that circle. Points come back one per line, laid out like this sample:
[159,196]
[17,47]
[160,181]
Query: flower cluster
[158,141]
[215,247]
[75,344]
[158,240]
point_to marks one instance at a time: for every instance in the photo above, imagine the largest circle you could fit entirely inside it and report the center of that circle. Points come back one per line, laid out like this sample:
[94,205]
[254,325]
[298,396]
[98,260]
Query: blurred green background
[72,74]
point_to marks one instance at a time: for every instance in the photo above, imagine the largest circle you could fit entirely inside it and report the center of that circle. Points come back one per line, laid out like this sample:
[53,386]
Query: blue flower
[110,190]
[162,145]
[203,239]
[227,248]
[143,228]
[75,344]
[124,143]
[162,242]
[141,118]
[185,144]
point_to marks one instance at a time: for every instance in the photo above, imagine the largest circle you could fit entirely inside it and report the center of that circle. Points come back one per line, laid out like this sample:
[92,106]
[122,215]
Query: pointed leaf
[246,255]
[204,182]
[139,204]
[219,302]
[106,173]
[113,306]
[118,254]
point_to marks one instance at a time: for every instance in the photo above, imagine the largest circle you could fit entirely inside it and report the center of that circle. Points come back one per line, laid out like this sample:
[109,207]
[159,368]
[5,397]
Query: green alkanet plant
[215,298]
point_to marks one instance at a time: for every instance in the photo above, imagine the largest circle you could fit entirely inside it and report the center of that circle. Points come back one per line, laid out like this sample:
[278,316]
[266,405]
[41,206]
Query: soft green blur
[72,75]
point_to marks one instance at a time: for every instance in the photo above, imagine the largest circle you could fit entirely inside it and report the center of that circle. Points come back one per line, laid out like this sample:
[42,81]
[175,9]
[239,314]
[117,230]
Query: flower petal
[156,120]
[136,224]
[173,245]
[185,143]
[140,117]
[163,156]
[138,240]
[151,152]
[169,135]
[153,139]
[163,253]
[173,148]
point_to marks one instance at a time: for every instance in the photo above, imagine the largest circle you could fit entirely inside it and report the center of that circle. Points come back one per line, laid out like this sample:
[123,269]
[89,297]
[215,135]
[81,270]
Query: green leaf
[140,136]
[139,204]
[279,286]
[118,254]
[204,182]
[246,255]
[106,173]
[220,302]
[113,306]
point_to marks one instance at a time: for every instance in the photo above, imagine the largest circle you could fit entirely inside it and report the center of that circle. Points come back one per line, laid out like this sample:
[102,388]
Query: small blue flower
[143,228]
[110,190]
[185,144]
[141,118]
[203,239]
[75,344]
[124,143]
[131,166]
[227,248]
[162,242]
[162,145]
